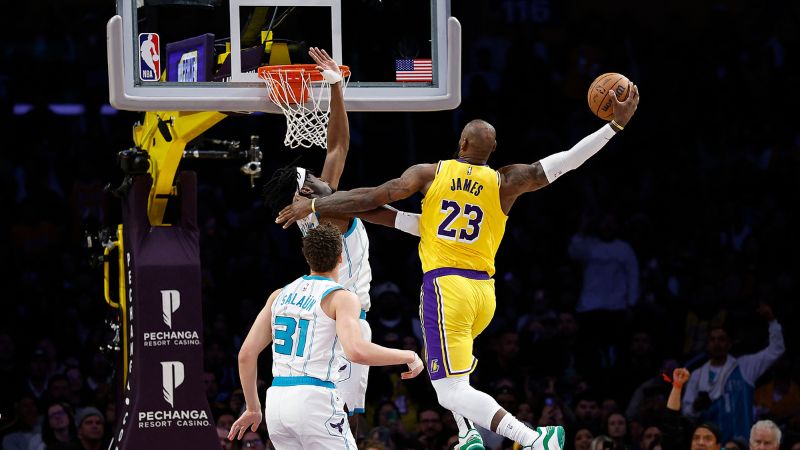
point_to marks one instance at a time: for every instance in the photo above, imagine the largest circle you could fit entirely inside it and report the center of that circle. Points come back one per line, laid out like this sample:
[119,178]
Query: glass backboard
[202,55]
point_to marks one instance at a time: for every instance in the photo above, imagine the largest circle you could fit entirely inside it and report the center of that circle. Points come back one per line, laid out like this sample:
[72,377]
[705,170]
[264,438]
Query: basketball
[599,95]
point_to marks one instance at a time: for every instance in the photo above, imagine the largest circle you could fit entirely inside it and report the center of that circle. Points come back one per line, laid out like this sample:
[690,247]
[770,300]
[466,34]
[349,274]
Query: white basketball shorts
[307,417]
[353,377]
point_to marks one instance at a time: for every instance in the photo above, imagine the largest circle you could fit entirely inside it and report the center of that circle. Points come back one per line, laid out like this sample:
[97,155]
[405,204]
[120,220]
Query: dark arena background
[698,195]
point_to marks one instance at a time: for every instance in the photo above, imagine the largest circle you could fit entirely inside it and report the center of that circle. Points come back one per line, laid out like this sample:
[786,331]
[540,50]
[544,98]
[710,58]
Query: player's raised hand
[326,65]
[623,111]
[249,419]
[299,208]
[414,368]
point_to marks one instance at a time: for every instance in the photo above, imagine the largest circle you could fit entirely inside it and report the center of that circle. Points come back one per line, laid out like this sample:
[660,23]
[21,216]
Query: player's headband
[310,221]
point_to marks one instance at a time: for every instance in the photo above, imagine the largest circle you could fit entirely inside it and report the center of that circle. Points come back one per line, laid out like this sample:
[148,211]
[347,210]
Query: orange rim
[296,72]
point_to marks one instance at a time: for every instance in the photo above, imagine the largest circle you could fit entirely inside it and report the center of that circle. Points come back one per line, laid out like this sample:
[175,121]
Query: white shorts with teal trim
[353,377]
[307,416]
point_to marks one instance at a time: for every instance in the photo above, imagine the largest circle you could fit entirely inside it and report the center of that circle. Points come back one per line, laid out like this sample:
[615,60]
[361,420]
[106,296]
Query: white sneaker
[472,441]
[550,438]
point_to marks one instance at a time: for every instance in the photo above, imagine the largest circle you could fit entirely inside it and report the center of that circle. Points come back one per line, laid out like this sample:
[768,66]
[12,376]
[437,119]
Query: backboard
[202,55]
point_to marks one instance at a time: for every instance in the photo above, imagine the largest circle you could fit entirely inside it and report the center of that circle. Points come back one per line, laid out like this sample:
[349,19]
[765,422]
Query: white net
[306,121]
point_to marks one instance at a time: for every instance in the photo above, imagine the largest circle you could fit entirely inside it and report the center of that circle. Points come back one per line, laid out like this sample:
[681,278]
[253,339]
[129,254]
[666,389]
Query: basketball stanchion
[298,90]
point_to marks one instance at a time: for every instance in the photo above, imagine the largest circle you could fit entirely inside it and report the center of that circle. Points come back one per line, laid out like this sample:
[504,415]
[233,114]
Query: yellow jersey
[462,222]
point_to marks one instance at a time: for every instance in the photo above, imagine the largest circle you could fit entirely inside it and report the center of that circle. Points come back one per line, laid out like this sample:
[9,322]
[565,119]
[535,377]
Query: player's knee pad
[446,394]
[458,396]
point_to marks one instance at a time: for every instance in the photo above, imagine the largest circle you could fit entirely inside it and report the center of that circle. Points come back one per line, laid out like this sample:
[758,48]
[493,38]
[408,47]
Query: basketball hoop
[289,87]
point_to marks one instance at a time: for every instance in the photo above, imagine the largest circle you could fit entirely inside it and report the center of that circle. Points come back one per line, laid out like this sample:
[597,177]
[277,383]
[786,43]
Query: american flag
[413,69]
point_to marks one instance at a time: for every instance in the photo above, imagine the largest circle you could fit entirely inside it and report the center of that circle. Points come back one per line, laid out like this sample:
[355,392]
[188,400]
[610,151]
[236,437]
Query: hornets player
[463,220]
[355,273]
[309,322]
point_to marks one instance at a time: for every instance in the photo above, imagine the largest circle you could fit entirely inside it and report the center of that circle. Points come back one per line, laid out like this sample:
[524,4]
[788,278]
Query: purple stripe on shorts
[430,326]
[444,271]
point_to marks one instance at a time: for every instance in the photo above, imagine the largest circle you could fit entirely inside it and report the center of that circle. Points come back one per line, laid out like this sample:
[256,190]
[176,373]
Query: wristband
[416,363]
[616,126]
[313,208]
[331,76]
[671,381]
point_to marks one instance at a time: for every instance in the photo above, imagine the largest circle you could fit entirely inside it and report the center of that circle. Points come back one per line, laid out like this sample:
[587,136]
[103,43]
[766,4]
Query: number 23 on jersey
[451,211]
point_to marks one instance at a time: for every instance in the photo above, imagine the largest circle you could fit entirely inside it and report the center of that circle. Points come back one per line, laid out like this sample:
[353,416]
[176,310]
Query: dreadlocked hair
[279,190]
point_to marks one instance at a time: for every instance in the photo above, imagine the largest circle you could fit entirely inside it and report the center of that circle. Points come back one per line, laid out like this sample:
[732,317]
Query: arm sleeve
[560,163]
[753,366]
[408,222]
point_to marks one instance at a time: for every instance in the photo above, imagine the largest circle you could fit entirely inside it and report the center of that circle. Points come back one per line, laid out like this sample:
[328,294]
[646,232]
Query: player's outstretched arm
[393,218]
[415,179]
[338,125]
[360,351]
[257,339]
[521,178]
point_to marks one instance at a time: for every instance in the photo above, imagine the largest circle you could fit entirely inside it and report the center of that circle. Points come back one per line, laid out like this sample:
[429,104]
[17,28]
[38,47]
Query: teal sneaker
[549,438]
[472,441]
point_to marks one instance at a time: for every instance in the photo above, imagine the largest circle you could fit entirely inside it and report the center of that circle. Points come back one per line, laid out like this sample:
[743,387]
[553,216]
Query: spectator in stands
[429,433]
[610,279]
[58,429]
[617,430]
[212,393]
[36,382]
[650,435]
[640,362]
[91,428]
[79,392]
[224,442]
[236,401]
[587,411]
[225,419]
[735,444]
[552,413]
[705,436]
[25,425]
[58,389]
[48,347]
[779,398]
[648,400]
[765,435]
[254,440]
[504,362]
[721,391]
[602,442]
[99,379]
[583,439]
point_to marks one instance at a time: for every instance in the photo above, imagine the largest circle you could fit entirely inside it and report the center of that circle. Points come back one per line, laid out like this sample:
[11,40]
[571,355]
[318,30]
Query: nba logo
[149,57]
